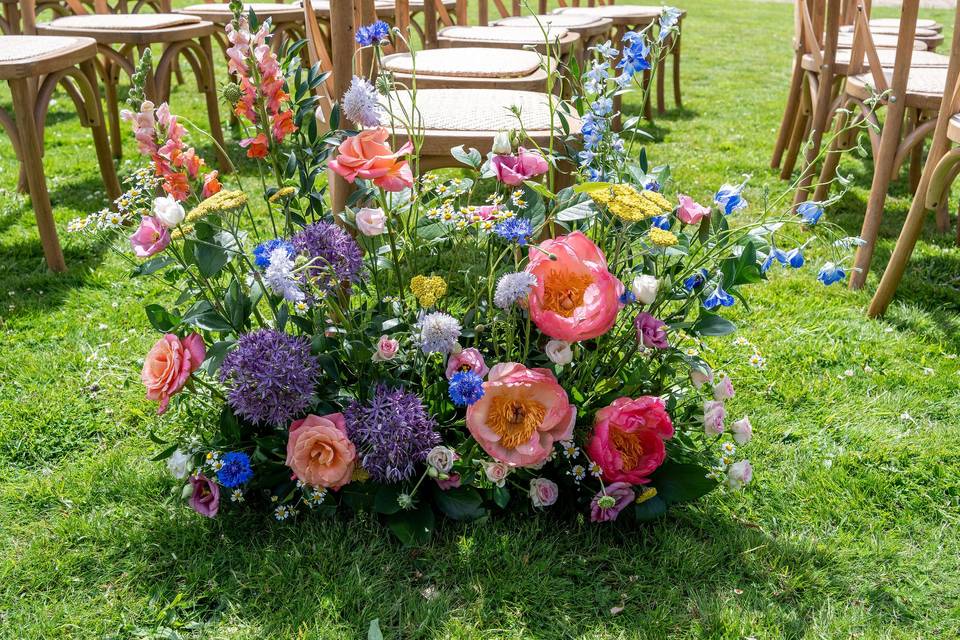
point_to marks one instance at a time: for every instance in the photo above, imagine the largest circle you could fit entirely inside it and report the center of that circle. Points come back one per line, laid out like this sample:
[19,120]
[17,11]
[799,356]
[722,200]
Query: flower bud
[501,144]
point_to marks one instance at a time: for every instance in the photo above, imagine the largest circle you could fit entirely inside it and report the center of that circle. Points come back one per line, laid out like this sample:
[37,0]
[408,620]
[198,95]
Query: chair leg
[892,275]
[39,197]
[648,101]
[213,107]
[831,160]
[661,86]
[796,136]
[820,121]
[676,69]
[101,140]
[113,110]
[916,154]
[789,115]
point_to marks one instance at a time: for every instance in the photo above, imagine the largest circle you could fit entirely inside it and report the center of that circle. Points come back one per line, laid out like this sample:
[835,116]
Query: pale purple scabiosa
[513,288]
[393,433]
[335,257]
[361,104]
[438,332]
[270,377]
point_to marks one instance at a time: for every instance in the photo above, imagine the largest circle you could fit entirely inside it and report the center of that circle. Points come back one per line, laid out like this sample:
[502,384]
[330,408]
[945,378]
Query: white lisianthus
[168,211]
[441,458]
[739,474]
[644,288]
[559,352]
[501,144]
[742,430]
[178,464]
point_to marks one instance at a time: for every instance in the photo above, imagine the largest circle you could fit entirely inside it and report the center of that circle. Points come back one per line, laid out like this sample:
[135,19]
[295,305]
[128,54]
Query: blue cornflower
[728,198]
[261,253]
[830,273]
[235,470]
[652,185]
[373,34]
[607,50]
[602,106]
[696,280]
[810,212]
[719,298]
[795,257]
[775,254]
[661,222]
[466,388]
[516,230]
[596,175]
[627,297]
[635,52]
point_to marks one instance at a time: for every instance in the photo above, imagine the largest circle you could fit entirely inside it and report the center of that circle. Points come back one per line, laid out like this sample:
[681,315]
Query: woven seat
[953,129]
[384,8]
[845,41]
[928,37]
[621,14]
[19,49]
[925,87]
[555,20]
[466,62]
[887,59]
[123,21]
[933,25]
[220,13]
[513,35]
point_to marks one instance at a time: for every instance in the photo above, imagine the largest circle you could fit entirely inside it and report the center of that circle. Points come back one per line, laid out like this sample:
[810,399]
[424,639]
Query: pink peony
[467,360]
[150,238]
[651,332]
[713,415]
[368,156]
[521,414]
[628,437]
[575,297]
[513,170]
[607,505]
[690,212]
[319,452]
[169,364]
[205,498]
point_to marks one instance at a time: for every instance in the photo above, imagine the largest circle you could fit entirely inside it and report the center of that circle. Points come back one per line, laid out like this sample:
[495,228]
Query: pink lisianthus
[467,360]
[723,389]
[169,365]
[628,439]
[607,504]
[651,331]
[522,413]
[575,298]
[713,416]
[690,212]
[150,238]
[368,156]
[742,430]
[739,474]
[319,452]
[205,498]
[513,170]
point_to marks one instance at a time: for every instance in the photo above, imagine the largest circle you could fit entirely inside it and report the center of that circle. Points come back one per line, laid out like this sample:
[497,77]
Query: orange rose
[169,364]
[367,155]
[319,452]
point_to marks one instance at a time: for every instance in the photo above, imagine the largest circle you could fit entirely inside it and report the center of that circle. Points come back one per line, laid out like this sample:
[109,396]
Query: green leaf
[210,258]
[501,496]
[471,158]
[650,509]
[386,500]
[230,426]
[203,315]
[359,496]
[413,527]
[644,166]
[215,355]
[540,189]
[166,453]
[238,305]
[151,266]
[678,482]
[462,503]
[710,324]
[161,319]
[579,211]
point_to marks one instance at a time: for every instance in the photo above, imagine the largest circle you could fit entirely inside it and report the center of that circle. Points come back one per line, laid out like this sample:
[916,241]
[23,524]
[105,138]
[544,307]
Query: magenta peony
[628,439]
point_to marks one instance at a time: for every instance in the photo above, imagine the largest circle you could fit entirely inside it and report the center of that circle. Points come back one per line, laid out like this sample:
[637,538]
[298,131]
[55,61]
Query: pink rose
[651,332]
[368,156]
[739,474]
[628,439]
[496,472]
[575,297]
[205,498]
[723,389]
[742,430]
[513,170]
[169,364]
[543,492]
[690,212]
[713,415]
[319,452]
[607,505]
[522,413]
[371,222]
[151,237]
[387,349]
[467,360]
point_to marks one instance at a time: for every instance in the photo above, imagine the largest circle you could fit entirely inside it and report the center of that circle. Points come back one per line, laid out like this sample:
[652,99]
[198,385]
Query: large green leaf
[412,527]
[203,315]
[161,319]
[678,482]
[386,500]
[650,509]
[462,503]
[710,324]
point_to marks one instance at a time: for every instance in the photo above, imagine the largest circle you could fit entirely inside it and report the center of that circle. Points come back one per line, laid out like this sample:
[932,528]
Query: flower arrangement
[449,345]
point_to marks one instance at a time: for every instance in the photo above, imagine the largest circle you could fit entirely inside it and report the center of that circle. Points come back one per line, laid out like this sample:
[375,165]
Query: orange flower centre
[515,420]
[563,291]
[629,447]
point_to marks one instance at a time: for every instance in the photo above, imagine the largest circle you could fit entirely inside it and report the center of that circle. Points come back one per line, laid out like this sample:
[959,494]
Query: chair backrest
[864,48]
[82,7]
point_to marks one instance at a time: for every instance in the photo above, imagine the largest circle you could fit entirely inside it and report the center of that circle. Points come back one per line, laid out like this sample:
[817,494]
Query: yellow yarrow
[217,203]
[661,237]
[428,289]
[627,203]
[285,192]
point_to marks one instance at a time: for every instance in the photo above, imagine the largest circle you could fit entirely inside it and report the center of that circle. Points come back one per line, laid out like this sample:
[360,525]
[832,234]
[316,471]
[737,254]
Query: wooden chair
[906,90]
[121,37]
[939,171]
[67,61]
[591,29]
[286,19]
[446,118]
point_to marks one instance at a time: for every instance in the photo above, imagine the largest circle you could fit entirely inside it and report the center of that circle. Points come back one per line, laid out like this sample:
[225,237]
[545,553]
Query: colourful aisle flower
[522,413]
[150,238]
[169,365]
[319,452]
[575,297]
[608,503]
[466,360]
[514,169]
[651,331]
[235,469]
[205,498]
[368,156]
[628,439]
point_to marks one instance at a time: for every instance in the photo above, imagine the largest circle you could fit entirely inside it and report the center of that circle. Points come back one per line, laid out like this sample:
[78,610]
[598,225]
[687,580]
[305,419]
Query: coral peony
[368,156]
[513,170]
[151,237]
[627,440]
[575,298]
[521,414]
[319,452]
[169,364]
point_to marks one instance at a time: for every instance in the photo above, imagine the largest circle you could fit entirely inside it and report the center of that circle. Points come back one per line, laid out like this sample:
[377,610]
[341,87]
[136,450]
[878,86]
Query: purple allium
[336,257]
[392,432]
[270,377]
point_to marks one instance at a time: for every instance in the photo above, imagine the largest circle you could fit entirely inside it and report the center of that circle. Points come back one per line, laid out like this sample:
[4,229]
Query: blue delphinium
[235,469]
[607,50]
[830,273]
[775,254]
[373,34]
[719,298]
[696,280]
[516,230]
[635,53]
[261,253]
[466,388]
[627,297]
[810,212]
[596,77]
[728,198]
[668,19]
[661,222]
[795,257]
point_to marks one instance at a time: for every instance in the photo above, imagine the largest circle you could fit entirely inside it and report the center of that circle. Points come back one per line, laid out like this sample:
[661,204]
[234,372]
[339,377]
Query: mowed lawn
[850,528]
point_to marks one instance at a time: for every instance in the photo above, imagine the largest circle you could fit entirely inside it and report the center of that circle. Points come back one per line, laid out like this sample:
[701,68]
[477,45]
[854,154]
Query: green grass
[849,529]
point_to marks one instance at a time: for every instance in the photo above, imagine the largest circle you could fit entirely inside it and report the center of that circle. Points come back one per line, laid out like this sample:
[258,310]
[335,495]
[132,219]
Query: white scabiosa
[361,103]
